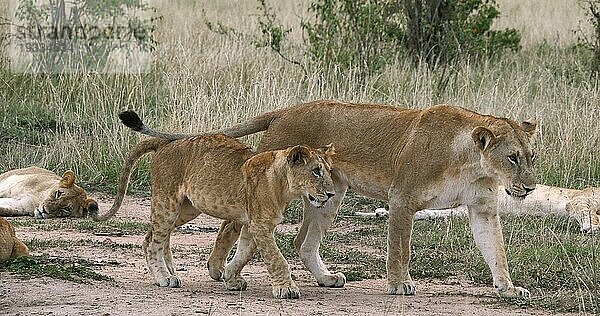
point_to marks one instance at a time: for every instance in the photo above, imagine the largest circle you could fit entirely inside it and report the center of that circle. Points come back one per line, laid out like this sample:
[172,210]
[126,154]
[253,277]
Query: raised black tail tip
[131,120]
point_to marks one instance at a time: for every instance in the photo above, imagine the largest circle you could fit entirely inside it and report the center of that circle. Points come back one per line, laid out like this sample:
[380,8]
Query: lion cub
[222,177]
[10,246]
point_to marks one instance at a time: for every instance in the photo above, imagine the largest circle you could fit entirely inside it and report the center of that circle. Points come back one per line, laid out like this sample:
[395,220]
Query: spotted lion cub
[222,177]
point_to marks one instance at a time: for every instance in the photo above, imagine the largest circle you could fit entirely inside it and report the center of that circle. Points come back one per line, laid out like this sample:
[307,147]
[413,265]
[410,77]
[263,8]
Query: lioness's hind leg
[228,234]
[156,246]
[232,272]
[281,277]
[315,223]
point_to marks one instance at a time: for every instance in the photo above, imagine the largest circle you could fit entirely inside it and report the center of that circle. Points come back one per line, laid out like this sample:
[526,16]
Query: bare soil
[133,293]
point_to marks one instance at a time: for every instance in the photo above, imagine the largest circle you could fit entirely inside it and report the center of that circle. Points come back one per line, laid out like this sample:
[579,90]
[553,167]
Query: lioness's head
[66,200]
[507,154]
[309,173]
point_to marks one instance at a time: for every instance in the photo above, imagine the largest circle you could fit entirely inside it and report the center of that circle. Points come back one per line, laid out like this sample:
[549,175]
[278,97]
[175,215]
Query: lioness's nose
[330,194]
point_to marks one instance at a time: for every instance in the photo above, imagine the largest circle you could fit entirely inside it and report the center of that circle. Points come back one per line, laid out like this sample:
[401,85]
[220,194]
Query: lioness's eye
[514,159]
[317,172]
[58,194]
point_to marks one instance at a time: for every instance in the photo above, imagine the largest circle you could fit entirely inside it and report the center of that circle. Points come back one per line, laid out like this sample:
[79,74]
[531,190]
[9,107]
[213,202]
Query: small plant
[76,270]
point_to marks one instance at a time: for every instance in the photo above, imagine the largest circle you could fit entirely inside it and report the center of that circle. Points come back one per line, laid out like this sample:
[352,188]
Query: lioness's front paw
[290,291]
[333,280]
[515,292]
[404,288]
[236,283]
[215,272]
[171,281]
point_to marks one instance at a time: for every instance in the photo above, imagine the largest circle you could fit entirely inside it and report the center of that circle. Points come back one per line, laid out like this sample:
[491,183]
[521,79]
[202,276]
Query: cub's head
[66,200]
[507,154]
[309,173]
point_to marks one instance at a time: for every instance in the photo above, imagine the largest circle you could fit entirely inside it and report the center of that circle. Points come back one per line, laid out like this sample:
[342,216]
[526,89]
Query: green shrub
[440,31]
[358,34]
[366,35]
[594,18]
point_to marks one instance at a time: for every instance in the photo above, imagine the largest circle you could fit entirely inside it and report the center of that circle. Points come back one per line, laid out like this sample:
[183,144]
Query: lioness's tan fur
[10,245]
[439,157]
[41,193]
[219,176]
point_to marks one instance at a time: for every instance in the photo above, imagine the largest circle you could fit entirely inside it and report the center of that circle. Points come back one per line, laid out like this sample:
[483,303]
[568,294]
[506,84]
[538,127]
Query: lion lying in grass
[10,246]
[221,177]
[41,193]
[581,205]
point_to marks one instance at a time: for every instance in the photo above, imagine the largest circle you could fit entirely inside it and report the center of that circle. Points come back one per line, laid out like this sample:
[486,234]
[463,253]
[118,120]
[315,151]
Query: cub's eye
[58,194]
[317,172]
[514,159]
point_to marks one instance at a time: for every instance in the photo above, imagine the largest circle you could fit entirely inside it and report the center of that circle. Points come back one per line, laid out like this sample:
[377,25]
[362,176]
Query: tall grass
[203,81]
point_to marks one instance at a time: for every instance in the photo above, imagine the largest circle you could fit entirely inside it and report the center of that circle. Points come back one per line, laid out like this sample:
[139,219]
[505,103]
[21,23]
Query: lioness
[439,157]
[219,176]
[41,193]
[10,246]
[583,206]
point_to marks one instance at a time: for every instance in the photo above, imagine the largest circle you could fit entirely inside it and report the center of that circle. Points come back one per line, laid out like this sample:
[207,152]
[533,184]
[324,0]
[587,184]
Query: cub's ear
[328,150]
[529,126]
[68,179]
[482,137]
[298,155]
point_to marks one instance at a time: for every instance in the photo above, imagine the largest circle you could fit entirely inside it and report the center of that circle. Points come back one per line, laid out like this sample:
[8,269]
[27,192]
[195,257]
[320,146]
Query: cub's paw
[215,272]
[171,281]
[236,283]
[404,288]
[290,291]
[515,292]
[333,280]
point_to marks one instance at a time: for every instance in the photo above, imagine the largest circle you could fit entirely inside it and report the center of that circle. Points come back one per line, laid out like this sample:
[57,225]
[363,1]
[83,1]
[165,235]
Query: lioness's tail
[254,125]
[136,152]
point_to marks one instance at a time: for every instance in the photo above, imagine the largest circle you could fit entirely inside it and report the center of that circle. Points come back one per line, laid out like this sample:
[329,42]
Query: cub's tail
[136,152]
[254,125]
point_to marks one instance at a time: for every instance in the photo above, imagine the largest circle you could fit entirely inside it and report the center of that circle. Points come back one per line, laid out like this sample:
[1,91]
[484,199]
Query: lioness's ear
[298,155]
[482,137]
[68,179]
[529,126]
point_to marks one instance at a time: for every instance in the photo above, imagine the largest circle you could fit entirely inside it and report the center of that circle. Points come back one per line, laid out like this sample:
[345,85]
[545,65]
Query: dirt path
[133,293]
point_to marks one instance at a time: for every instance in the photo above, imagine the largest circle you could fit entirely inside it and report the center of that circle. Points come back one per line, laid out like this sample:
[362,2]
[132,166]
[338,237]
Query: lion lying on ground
[583,206]
[41,193]
[10,246]
[219,176]
[439,157]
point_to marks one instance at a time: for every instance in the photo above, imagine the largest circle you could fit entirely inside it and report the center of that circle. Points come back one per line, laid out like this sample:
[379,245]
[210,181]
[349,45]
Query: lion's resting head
[66,199]
[507,152]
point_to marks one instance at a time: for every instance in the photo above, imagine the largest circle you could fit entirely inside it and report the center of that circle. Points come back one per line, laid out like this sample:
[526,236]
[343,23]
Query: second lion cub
[219,176]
